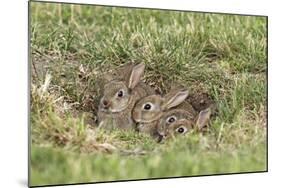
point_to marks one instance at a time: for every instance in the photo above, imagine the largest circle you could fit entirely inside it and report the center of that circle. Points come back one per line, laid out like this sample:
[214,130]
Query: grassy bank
[219,57]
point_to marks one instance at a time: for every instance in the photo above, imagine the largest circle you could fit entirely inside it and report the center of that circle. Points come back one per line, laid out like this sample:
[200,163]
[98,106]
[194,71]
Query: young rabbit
[119,97]
[150,109]
[183,122]
[170,117]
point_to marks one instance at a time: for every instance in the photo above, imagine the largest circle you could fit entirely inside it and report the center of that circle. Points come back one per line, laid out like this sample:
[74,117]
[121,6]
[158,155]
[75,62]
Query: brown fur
[118,114]
[185,120]
[147,119]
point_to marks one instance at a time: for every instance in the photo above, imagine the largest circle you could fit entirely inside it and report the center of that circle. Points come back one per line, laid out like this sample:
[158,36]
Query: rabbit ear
[173,99]
[203,118]
[135,76]
[108,77]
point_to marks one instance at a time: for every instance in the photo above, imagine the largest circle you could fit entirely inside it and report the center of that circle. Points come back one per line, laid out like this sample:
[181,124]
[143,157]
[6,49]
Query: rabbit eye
[171,119]
[181,130]
[120,93]
[147,106]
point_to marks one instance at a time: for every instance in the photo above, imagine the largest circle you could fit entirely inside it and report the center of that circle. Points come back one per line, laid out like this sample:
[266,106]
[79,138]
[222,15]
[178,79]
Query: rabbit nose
[137,126]
[105,103]
[160,138]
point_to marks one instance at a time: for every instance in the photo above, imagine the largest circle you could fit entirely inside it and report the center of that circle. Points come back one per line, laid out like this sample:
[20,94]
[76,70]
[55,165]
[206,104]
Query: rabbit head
[180,127]
[150,109]
[117,93]
[182,123]
[172,116]
[120,94]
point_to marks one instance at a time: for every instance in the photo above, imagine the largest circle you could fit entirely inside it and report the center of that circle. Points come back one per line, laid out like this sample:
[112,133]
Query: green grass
[223,56]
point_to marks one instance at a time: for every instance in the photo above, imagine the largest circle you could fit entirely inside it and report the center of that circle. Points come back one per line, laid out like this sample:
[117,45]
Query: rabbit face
[182,122]
[171,117]
[119,97]
[180,127]
[150,109]
[147,109]
[118,94]
[116,97]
